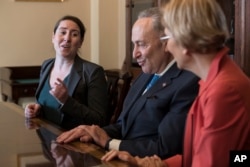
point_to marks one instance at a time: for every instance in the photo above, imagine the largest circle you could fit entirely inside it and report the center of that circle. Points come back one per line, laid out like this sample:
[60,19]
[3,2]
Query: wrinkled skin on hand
[154,161]
[86,134]
[73,134]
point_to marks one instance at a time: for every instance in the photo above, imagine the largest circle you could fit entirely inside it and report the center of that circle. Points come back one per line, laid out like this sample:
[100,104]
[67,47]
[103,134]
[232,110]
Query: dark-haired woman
[71,91]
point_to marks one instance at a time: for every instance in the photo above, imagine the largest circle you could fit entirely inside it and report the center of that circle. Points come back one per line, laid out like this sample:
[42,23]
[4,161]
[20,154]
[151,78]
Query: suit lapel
[140,86]
[164,80]
[137,100]
[136,91]
[131,106]
[75,76]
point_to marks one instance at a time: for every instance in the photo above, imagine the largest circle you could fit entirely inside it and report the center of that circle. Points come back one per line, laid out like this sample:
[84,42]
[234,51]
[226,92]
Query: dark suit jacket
[153,123]
[87,88]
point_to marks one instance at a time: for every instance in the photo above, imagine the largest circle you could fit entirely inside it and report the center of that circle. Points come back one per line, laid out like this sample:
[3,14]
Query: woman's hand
[134,161]
[150,161]
[59,91]
[32,110]
[122,155]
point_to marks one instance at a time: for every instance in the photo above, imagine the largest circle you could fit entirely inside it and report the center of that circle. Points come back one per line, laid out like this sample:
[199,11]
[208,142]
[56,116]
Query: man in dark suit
[153,119]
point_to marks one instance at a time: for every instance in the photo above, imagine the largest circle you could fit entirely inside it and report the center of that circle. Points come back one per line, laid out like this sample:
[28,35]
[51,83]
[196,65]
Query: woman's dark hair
[75,20]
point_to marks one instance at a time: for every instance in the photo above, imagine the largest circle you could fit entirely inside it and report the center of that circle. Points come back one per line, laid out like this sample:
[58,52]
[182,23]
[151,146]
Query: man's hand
[73,134]
[86,134]
[99,136]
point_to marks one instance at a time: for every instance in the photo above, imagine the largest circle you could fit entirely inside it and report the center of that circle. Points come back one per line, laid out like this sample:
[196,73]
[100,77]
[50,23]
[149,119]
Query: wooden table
[30,143]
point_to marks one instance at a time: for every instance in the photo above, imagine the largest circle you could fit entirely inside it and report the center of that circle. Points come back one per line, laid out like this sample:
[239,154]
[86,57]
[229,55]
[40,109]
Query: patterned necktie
[152,82]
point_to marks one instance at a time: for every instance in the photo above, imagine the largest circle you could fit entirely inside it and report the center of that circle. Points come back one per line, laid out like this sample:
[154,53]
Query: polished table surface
[30,143]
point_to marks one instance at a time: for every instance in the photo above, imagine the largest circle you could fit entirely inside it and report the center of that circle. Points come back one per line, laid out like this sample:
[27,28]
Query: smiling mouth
[141,63]
[65,46]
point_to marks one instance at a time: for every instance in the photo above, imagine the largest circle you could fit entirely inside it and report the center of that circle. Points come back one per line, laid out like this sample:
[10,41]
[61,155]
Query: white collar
[167,68]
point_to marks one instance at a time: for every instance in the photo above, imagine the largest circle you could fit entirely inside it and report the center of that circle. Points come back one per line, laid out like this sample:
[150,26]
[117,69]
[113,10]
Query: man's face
[148,49]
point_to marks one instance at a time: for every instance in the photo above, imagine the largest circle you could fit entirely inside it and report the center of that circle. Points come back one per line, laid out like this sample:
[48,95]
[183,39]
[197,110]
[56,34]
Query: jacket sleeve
[175,161]
[225,124]
[95,109]
[114,130]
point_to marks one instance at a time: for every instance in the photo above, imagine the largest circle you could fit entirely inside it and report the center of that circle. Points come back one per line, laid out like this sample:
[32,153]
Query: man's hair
[156,14]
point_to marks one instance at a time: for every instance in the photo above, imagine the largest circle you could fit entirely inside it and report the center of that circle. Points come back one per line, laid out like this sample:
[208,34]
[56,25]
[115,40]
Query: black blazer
[87,88]
[153,123]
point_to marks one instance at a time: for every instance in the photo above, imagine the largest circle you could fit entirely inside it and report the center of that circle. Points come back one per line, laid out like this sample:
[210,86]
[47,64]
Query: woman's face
[67,39]
[176,50]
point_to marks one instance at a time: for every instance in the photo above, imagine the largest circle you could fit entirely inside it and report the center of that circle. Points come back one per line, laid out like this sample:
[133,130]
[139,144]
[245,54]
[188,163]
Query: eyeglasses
[165,37]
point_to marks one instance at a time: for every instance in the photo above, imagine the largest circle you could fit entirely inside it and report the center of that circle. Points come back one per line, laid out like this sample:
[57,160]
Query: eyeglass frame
[165,37]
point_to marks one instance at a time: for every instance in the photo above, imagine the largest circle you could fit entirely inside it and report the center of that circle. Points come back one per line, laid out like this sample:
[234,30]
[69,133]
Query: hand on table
[73,134]
[85,133]
[99,136]
[135,161]
[32,110]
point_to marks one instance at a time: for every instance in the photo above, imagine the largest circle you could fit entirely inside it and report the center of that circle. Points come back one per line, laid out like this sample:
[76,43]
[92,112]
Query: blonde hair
[198,25]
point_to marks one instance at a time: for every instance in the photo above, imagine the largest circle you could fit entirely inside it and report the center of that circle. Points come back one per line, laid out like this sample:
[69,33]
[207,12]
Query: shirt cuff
[114,144]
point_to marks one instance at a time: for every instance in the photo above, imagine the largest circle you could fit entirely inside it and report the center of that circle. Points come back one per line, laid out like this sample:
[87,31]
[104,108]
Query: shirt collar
[167,68]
